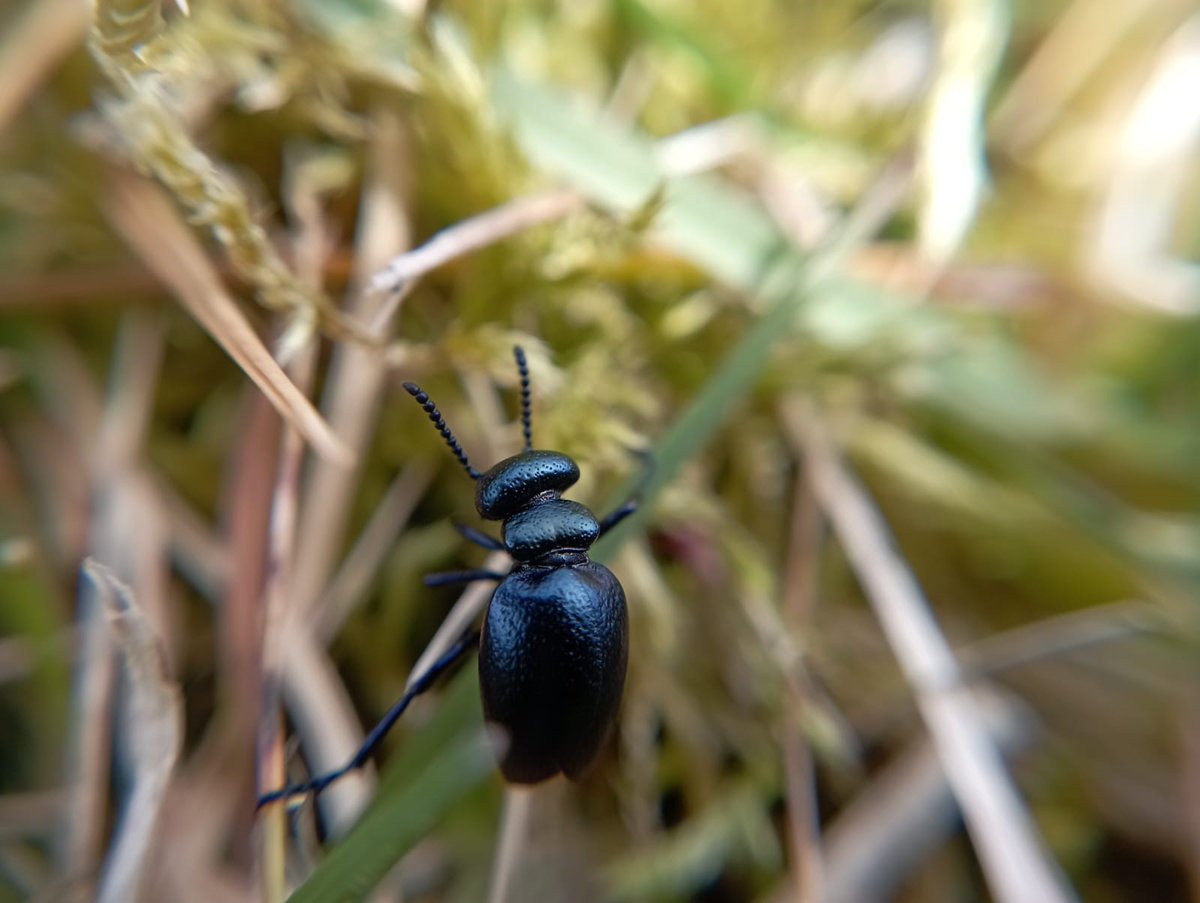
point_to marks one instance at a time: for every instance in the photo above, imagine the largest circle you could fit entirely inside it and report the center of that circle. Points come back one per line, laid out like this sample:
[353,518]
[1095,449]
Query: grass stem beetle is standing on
[554,643]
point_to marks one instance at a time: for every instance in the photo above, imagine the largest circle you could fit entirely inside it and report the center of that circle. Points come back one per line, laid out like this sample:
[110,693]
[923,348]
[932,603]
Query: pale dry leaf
[149,223]
[154,721]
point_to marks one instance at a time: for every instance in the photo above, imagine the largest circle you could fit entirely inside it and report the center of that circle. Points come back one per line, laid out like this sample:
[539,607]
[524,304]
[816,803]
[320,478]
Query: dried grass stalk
[317,701]
[33,47]
[799,592]
[154,721]
[1014,858]
[152,227]
[476,233]
[897,821]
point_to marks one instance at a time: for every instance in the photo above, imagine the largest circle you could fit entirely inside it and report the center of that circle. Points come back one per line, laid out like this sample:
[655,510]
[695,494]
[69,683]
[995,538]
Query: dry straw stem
[24,816]
[906,812]
[353,385]
[799,593]
[1076,46]
[202,557]
[355,377]
[323,715]
[42,36]
[1063,635]
[474,234]
[376,541]
[217,784]
[123,530]
[514,834]
[74,403]
[152,227]
[154,714]
[276,594]
[1014,859]
[953,170]
[305,203]
[1154,163]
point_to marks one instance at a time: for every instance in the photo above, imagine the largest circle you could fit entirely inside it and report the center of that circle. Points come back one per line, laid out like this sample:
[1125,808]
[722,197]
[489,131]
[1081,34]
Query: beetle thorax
[551,531]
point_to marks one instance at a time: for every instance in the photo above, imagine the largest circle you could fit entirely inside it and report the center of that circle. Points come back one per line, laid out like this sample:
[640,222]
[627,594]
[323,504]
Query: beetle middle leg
[479,538]
[450,578]
[464,645]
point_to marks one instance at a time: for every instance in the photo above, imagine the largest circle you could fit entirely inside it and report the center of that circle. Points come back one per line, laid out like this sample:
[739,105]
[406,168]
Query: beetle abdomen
[552,667]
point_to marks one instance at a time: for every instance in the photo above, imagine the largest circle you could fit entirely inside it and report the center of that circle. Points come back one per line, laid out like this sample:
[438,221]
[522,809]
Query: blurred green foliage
[1032,443]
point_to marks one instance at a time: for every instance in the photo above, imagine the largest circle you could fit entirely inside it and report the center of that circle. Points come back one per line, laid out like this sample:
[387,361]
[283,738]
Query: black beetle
[554,642]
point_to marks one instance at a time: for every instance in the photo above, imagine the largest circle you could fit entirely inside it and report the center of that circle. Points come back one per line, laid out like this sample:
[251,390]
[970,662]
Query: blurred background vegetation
[947,247]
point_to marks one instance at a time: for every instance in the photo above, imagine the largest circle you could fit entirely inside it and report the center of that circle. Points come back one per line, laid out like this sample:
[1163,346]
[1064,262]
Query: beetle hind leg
[416,687]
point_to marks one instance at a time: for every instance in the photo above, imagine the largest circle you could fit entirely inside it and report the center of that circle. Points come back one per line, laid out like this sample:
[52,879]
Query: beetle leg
[448,578]
[479,538]
[418,686]
[615,517]
[635,498]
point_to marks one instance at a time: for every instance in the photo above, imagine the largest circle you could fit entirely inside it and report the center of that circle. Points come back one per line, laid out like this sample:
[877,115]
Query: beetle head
[516,482]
